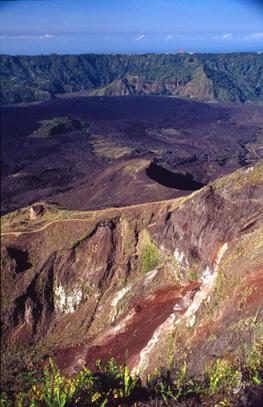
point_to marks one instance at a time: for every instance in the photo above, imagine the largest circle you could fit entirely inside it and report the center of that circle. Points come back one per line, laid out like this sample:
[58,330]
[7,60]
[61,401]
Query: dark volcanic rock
[106,166]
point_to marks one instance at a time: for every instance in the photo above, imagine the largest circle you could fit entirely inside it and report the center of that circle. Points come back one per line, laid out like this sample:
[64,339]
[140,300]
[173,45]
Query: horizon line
[180,52]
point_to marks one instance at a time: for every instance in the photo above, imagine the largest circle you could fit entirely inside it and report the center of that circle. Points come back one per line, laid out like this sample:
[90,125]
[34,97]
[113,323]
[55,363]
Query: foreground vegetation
[225,381]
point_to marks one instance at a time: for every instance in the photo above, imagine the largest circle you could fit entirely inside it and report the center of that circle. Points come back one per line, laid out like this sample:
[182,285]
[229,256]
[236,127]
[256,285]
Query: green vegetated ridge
[236,77]
[57,126]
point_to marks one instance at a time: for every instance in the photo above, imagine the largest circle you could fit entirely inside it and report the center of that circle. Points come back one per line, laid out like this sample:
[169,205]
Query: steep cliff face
[222,77]
[198,87]
[180,277]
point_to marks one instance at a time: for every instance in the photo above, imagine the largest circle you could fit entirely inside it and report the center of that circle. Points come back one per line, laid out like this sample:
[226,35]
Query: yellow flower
[95,396]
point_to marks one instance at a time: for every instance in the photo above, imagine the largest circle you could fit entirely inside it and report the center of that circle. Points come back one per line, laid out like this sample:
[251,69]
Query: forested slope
[216,77]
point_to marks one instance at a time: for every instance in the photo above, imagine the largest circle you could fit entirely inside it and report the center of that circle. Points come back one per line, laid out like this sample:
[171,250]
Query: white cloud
[46,36]
[27,37]
[255,36]
[227,36]
[224,37]
[15,37]
[140,37]
[168,37]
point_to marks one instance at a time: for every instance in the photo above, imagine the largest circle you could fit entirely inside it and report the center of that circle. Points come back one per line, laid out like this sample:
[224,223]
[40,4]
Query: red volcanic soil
[145,317]
[254,288]
[196,141]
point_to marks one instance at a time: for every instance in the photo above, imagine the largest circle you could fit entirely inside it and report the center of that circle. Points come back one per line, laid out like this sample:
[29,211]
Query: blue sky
[130,26]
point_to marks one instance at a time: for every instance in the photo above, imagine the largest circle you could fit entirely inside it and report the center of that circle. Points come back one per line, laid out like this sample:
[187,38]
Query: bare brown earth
[177,279]
[107,163]
[147,315]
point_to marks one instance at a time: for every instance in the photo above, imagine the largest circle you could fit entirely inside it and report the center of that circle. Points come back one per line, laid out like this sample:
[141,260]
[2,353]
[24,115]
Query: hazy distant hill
[234,77]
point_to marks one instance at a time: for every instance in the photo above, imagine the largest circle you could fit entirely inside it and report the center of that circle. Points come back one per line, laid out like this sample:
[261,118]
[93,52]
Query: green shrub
[193,276]
[108,386]
[149,255]
[223,376]
[253,364]
[113,385]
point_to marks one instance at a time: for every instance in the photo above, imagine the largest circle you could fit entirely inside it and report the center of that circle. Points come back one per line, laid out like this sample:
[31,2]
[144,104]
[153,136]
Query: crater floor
[113,159]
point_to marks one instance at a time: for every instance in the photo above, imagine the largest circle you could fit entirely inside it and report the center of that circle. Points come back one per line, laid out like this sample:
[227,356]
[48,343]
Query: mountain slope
[220,77]
[180,277]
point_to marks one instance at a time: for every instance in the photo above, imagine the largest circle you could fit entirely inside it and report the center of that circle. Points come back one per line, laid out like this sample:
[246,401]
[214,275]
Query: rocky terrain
[132,229]
[233,77]
[154,284]
[97,152]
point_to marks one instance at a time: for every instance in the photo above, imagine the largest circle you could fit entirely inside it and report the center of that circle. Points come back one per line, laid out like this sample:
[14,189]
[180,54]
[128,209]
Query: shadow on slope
[184,182]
